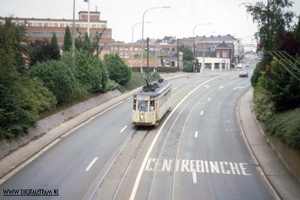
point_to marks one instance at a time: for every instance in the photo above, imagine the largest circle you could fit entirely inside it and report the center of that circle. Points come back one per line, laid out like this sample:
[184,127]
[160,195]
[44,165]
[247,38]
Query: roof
[154,89]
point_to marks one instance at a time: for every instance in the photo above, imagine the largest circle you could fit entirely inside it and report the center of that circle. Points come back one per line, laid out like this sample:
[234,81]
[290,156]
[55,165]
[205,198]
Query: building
[44,28]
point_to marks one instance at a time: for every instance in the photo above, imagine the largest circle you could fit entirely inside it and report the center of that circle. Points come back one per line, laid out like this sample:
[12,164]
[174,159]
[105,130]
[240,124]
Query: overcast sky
[226,16]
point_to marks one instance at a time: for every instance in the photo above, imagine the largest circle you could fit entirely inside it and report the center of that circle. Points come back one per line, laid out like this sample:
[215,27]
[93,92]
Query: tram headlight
[142,117]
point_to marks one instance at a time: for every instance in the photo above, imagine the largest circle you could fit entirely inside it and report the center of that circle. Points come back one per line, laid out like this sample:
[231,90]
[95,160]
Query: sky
[124,17]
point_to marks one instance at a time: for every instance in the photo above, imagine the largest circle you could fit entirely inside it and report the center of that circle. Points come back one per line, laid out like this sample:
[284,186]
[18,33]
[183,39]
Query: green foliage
[12,40]
[187,66]
[36,97]
[260,67]
[15,118]
[188,54]
[286,126]
[55,47]
[283,86]
[111,85]
[57,77]
[271,19]
[263,104]
[85,44]
[89,71]
[137,79]
[118,70]
[67,46]
[42,50]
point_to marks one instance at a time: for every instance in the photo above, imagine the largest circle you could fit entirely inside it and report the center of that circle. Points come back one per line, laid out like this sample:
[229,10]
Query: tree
[283,87]
[85,44]
[15,118]
[42,50]
[67,46]
[271,19]
[55,47]
[118,70]
[187,53]
[57,77]
[89,71]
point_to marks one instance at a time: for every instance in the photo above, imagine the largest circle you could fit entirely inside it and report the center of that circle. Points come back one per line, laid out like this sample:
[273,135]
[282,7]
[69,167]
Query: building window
[218,54]
[55,24]
[224,54]
[62,25]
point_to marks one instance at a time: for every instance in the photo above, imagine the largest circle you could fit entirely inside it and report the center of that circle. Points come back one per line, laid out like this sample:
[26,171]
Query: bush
[90,72]
[118,70]
[36,97]
[187,66]
[57,77]
[286,127]
[263,104]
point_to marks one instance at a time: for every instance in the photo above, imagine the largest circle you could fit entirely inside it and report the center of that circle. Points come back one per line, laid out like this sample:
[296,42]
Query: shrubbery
[118,70]
[57,77]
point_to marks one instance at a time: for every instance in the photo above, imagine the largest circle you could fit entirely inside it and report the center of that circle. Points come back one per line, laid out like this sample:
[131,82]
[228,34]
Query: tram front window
[143,105]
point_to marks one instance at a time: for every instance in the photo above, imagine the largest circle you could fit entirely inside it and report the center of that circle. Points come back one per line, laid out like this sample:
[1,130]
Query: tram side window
[152,108]
[134,104]
[143,105]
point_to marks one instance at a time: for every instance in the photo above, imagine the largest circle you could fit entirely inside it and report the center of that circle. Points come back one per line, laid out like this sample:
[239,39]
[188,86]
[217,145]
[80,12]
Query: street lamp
[132,39]
[142,50]
[194,33]
[194,43]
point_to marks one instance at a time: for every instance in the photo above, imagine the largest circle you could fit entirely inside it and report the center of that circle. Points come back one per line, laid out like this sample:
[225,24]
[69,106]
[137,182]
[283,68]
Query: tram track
[172,142]
[109,184]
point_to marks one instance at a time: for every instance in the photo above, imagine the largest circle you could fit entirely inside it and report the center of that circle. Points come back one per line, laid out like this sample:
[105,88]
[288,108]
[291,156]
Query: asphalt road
[196,152]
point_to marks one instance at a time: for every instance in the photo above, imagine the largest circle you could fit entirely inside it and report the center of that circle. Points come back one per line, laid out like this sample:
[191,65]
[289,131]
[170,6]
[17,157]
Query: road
[196,152]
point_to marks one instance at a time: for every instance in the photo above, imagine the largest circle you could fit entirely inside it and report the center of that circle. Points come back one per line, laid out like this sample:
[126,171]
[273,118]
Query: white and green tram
[151,103]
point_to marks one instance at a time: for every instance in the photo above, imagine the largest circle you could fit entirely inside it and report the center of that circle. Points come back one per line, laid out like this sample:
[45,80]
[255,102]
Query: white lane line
[123,129]
[209,99]
[221,87]
[194,176]
[91,164]
[142,168]
[187,82]
[201,112]
[238,88]
[196,134]
[175,88]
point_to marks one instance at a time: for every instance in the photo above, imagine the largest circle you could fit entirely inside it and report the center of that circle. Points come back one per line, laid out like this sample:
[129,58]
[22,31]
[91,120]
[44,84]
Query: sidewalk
[285,186]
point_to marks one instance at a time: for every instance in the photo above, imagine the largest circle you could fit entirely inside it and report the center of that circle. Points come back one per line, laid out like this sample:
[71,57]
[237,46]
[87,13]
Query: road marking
[194,176]
[238,88]
[91,164]
[175,88]
[142,168]
[201,112]
[207,86]
[221,87]
[187,82]
[123,129]
[196,134]
[198,166]
[209,99]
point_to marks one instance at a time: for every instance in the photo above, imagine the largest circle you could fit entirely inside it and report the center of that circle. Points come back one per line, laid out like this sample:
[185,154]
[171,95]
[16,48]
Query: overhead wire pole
[142,46]
[88,28]
[132,40]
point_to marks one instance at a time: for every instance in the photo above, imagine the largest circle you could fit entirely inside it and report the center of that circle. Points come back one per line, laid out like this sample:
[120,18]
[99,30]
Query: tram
[151,103]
